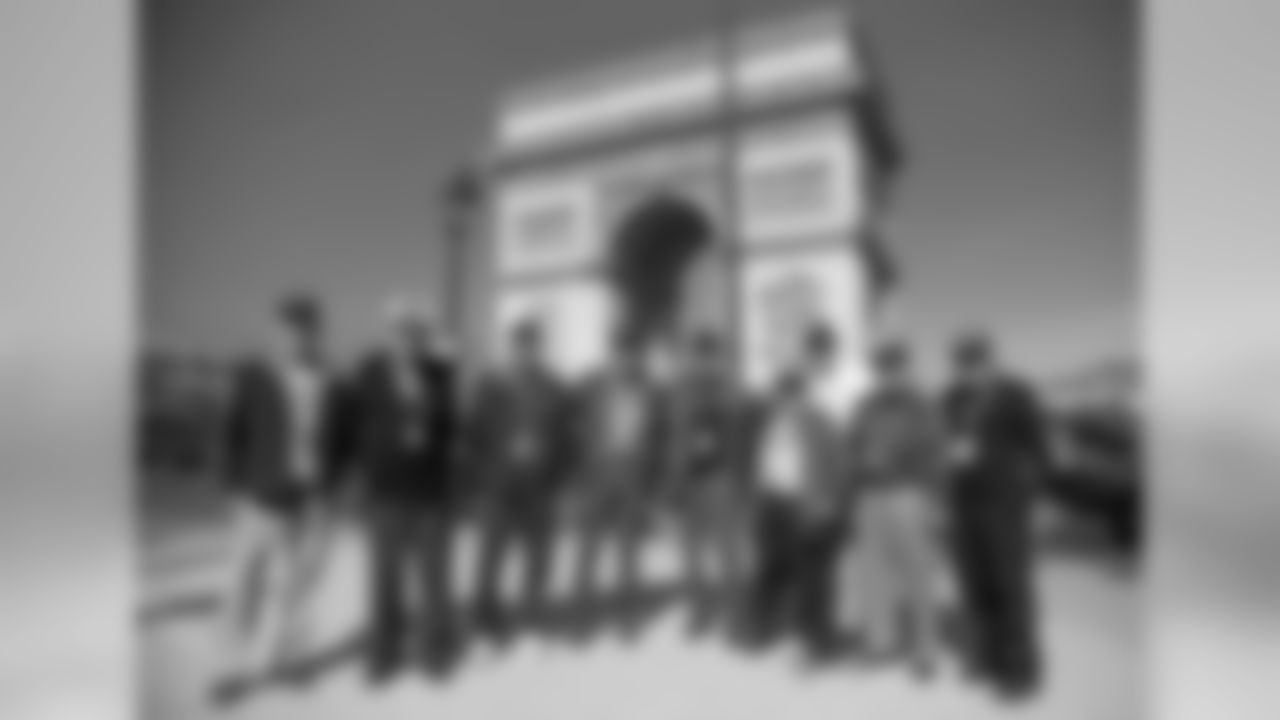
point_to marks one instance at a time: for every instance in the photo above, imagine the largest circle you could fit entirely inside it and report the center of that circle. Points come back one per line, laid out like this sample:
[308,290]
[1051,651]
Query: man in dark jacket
[407,428]
[283,457]
[619,464]
[998,455]
[520,448]
[705,470]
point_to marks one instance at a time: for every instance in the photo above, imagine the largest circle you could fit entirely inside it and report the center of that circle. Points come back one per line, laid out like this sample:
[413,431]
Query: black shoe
[976,666]
[578,614]
[755,636]
[631,628]
[701,622]
[1016,687]
[878,656]
[629,614]
[382,669]
[503,630]
[229,692]
[494,623]
[297,675]
[924,671]
[1015,693]
[486,612]
[540,619]
[440,663]
[825,650]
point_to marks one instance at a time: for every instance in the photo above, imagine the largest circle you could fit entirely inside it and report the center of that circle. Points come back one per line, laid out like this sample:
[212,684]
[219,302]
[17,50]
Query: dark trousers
[411,548]
[713,545]
[794,581]
[993,546]
[612,527]
[516,528]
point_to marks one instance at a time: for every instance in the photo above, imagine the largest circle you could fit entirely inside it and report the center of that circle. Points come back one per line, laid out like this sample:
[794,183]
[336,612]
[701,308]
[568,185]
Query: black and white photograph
[664,360]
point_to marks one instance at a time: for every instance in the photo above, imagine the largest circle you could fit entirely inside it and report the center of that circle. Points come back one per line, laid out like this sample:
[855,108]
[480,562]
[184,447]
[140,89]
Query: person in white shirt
[798,521]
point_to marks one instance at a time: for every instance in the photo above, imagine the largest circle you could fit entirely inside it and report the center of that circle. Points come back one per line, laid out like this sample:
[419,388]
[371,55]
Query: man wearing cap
[406,439]
[521,448]
[283,455]
[897,465]
[997,455]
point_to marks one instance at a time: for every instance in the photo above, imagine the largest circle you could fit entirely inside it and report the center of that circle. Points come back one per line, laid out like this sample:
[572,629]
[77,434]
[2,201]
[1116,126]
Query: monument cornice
[764,65]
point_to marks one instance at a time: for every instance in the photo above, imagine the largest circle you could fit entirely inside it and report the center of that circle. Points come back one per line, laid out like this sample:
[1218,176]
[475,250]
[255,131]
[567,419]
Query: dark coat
[520,434]
[258,431]
[896,437]
[599,466]
[705,432]
[1005,424]
[394,467]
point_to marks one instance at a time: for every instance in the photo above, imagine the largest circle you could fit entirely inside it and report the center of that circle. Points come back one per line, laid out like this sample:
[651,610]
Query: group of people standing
[775,498]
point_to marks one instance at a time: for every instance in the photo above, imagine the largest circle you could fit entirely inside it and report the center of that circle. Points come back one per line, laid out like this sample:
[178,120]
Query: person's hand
[573,504]
[662,516]
[343,500]
[817,510]
[939,522]
[962,452]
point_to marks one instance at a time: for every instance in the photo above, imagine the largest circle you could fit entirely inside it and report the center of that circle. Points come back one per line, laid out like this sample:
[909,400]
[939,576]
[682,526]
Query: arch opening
[665,272]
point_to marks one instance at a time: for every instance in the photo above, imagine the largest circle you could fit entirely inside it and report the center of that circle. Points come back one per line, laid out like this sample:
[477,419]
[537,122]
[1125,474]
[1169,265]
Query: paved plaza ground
[1091,616]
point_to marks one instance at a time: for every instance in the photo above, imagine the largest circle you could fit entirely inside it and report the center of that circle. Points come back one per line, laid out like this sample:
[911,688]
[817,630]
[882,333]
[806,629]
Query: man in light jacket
[285,453]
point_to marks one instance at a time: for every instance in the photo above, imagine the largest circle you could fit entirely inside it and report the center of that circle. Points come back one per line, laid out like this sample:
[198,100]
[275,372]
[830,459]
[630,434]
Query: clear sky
[300,143]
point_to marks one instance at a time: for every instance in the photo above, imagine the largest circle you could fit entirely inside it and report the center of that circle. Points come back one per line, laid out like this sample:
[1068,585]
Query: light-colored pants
[276,563]
[893,571]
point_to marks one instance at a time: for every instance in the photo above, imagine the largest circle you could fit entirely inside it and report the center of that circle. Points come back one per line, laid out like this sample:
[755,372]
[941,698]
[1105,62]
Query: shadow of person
[714,609]
[647,604]
[306,671]
[441,660]
[301,674]
[627,612]
[437,661]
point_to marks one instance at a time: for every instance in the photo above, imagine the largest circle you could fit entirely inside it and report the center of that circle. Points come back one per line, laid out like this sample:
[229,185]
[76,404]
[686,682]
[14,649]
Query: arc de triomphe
[723,185]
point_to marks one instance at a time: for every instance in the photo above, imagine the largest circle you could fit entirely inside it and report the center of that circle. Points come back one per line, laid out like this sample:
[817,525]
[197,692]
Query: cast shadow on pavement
[180,606]
[309,670]
[627,613]
[571,618]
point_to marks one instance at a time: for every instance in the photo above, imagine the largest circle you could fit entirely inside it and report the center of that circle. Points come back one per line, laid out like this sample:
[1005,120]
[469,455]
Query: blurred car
[1098,469]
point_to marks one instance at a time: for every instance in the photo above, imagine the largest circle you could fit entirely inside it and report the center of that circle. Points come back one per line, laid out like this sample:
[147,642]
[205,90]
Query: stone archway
[666,271]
